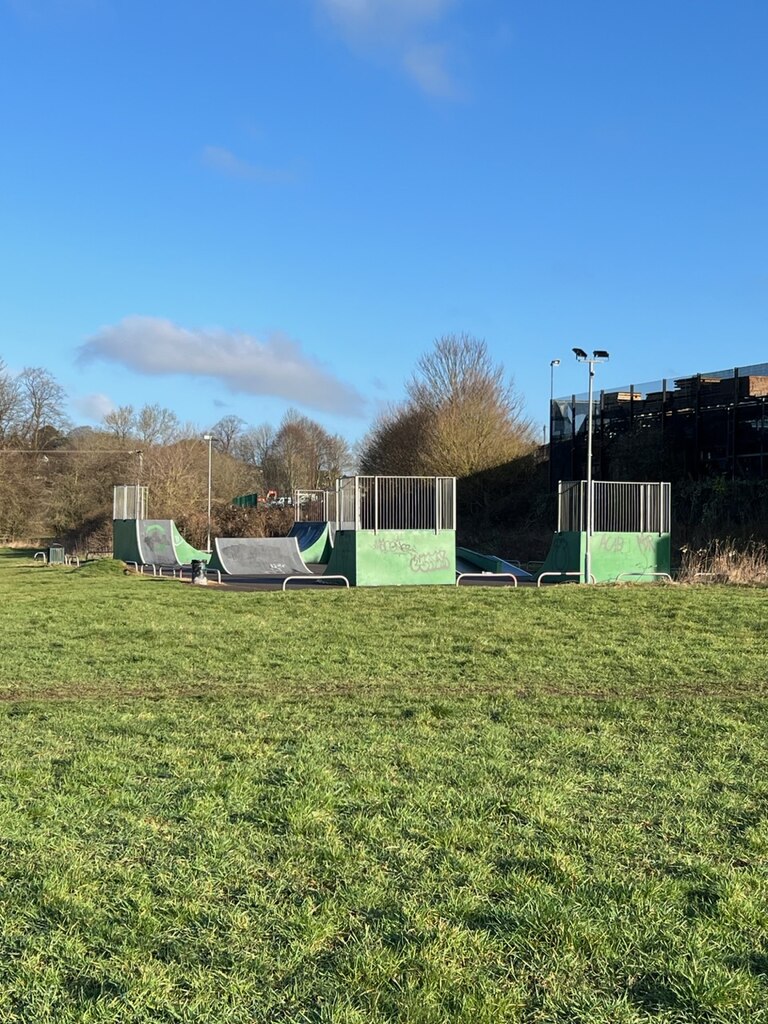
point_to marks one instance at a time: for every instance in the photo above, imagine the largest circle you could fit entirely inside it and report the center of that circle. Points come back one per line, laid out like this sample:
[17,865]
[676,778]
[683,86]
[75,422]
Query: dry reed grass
[726,561]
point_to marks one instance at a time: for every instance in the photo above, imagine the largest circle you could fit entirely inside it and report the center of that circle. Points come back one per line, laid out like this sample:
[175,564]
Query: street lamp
[599,355]
[552,364]
[209,439]
[140,453]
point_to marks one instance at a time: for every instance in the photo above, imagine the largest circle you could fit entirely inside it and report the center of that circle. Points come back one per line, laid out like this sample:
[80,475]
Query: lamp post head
[580,353]
[600,355]
[554,362]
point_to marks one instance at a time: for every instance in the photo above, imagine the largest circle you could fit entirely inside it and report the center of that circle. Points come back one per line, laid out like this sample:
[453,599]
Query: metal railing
[490,578]
[129,501]
[396,503]
[616,507]
[314,506]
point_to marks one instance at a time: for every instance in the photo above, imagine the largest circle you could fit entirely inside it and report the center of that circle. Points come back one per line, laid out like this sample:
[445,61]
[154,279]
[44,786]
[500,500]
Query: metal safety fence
[616,507]
[396,503]
[314,506]
[129,501]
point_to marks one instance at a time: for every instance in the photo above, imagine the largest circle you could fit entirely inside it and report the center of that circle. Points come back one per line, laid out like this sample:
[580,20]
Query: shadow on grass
[18,552]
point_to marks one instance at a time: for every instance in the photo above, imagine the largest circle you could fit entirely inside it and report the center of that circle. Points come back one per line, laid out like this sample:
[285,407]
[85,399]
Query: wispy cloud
[242,363]
[404,29]
[427,64]
[225,162]
[389,17]
[93,407]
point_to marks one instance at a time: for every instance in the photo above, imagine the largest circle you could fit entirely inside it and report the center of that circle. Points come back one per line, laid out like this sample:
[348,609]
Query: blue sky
[255,204]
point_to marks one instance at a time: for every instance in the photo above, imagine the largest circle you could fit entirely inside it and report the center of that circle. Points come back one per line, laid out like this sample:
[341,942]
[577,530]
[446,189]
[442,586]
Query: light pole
[598,356]
[140,453]
[209,439]
[552,364]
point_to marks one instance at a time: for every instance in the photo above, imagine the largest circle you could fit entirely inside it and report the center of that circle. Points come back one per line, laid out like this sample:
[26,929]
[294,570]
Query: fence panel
[396,503]
[616,507]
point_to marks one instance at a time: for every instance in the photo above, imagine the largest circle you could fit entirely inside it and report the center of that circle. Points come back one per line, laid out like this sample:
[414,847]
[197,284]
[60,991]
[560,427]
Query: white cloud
[224,160]
[427,64]
[243,364]
[401,28]
[94,407]
[391,18]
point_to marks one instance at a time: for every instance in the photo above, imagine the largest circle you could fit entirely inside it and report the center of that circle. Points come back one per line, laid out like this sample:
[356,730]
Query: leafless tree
[10,404]
[157,425]
[461,415]
[227,432]
[41,407]
[121,422]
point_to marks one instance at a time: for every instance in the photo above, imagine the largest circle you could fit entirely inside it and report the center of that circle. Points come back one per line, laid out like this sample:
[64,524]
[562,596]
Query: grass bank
[417,806]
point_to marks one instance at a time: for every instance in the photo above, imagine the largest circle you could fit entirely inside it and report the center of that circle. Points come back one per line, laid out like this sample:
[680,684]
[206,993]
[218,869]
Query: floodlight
[600,353]
[580,353]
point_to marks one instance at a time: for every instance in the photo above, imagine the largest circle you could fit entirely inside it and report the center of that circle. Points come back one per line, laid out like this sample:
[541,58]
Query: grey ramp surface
[156,542]
[258,556]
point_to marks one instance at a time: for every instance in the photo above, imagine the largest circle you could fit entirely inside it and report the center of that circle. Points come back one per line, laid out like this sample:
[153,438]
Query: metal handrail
[315,579]
[40,554]
[485,576]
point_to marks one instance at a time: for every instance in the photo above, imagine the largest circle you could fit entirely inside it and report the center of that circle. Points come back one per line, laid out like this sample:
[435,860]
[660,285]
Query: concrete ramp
[258,556]
[315,540]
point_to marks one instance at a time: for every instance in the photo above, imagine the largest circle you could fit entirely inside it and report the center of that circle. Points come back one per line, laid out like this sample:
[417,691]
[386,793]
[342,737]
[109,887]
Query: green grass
[88,631]
[381,806]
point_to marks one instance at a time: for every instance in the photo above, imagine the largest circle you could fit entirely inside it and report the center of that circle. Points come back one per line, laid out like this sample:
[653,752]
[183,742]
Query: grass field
[400,805]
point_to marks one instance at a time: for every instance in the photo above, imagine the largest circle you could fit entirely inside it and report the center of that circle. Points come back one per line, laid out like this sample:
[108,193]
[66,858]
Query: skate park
[401,531]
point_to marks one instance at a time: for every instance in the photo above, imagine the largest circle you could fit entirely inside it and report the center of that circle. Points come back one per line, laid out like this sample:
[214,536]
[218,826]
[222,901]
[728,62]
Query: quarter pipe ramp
[258,556]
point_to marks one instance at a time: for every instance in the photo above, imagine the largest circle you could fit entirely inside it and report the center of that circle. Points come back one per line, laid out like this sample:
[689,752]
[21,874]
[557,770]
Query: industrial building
[703,425]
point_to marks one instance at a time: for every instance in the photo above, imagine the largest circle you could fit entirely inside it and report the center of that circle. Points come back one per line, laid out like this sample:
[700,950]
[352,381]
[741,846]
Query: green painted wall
[343,560]
[612,554]
[125,544]
[394,558]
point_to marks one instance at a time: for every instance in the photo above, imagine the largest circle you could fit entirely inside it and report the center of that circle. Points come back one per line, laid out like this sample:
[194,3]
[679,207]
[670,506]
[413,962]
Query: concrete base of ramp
[258,556]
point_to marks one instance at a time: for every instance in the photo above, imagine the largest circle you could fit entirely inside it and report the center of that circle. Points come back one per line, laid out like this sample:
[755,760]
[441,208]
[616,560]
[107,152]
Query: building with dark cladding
[705,425]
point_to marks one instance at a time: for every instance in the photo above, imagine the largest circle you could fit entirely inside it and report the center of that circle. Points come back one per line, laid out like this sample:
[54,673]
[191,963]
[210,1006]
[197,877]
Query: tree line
[461,415]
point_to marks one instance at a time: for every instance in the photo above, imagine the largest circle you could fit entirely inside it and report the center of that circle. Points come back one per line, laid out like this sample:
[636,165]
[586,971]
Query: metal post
[552,364]
[590,496]
[209,439]
[598,356]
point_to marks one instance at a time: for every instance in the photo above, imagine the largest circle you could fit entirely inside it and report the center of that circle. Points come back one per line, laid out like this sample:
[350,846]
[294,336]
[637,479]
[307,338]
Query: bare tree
[304,454]
[253,445]
[41,407]
[157,425]
[392,445]
[121,422]
[227,431]
[10,404]
[462,415]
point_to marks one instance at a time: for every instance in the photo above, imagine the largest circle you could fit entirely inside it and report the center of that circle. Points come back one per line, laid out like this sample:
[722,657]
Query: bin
[198,572]
[56,555]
